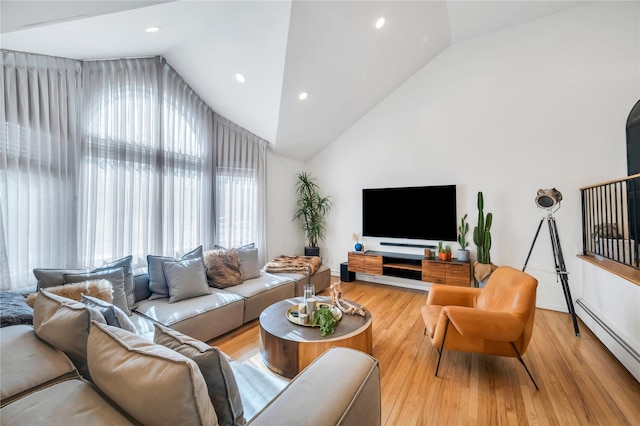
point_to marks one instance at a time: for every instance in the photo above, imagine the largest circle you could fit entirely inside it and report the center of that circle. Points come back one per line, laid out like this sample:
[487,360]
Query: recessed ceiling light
[302,96]
[152,29]
[240,78]
[380,23]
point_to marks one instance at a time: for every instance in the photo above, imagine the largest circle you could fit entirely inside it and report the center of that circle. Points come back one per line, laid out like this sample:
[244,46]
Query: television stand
[411,266]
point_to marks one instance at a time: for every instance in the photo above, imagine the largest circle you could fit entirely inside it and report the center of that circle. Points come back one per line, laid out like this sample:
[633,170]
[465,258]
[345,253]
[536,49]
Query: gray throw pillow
[185,278]
[114,275]
[127,264]
[157,281]
[213,363]
[249,266]
[111,313]
[53,277]
[64,324]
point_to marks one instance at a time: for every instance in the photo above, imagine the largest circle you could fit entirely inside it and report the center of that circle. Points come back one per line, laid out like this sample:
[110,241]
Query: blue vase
[358,247]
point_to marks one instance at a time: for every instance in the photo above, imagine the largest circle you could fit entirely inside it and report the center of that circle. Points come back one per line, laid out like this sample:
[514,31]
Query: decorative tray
[292,314]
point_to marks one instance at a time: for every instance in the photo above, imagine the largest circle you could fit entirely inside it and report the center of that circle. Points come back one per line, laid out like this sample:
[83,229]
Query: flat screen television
[418,212]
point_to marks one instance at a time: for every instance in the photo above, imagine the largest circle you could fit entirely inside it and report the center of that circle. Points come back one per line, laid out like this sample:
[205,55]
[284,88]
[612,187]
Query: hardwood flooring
[580,382]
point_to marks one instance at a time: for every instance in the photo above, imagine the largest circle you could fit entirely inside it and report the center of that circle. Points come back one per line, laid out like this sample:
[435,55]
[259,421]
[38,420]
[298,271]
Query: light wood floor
[580,382]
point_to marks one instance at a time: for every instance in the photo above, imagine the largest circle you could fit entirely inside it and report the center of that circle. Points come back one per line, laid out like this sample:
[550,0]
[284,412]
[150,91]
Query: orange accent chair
[494,320]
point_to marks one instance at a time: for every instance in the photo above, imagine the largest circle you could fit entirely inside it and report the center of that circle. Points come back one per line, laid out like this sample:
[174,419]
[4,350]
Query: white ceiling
[330,49]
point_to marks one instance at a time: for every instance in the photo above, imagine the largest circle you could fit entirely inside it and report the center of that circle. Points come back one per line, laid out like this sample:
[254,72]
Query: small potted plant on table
[444,252]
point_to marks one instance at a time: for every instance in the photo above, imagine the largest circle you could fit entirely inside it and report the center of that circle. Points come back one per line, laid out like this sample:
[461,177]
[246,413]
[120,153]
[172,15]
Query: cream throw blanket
[298,264]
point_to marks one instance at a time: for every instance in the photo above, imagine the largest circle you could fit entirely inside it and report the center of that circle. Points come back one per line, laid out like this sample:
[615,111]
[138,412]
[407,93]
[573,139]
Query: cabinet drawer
[458,274]
[433,272]
[373,265]
[356,262]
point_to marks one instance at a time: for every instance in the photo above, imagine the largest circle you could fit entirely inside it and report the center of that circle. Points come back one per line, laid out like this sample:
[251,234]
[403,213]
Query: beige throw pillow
[223,268]
[64,324]
[153,384]
[221,383]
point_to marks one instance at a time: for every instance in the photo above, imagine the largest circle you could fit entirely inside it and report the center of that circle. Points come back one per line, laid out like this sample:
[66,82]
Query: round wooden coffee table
[287,348]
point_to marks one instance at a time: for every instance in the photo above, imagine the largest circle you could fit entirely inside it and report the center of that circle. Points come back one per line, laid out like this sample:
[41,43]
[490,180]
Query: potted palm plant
[311,210]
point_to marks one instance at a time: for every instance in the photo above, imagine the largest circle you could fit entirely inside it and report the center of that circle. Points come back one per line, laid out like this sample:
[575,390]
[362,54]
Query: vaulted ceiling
[331,50]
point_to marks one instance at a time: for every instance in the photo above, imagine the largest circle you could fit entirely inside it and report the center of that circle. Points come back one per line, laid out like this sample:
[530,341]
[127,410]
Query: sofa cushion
[223,268]
[100,289]
[22,351]
[221,383]
[185,278]
[202,318]
[114,275]
[72,402]
[157,281]
[111,313]
[64,324]
[261,292]
[162,386]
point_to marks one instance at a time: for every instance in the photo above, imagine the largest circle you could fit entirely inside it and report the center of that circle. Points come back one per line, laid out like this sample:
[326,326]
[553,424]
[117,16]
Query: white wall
[539,105]
[283,234]
[616,306]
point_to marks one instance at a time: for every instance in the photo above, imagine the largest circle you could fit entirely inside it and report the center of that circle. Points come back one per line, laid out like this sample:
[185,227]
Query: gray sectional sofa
[209,316]
[139,382]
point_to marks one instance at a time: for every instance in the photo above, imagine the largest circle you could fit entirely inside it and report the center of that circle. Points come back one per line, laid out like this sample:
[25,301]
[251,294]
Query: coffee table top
[274,321]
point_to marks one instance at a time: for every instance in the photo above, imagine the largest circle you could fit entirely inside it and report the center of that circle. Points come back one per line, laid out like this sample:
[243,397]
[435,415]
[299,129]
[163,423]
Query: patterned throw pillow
[248,258]
[223,268]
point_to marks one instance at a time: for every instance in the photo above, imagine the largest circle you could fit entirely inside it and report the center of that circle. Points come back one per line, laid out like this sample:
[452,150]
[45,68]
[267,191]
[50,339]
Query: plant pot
[312,251]
[463,255]
[444,256]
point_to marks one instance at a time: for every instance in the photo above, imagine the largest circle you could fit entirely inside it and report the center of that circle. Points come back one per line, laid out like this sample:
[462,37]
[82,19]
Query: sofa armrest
[341,387]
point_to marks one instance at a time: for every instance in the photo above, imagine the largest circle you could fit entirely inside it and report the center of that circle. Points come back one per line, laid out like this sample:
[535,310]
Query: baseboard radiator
[621,342]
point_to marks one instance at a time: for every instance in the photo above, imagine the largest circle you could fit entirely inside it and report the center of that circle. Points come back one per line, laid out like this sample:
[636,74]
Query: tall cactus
[482,233]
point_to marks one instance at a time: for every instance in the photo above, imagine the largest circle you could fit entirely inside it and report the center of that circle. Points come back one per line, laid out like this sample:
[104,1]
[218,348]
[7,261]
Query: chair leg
[446,327]
[525,365]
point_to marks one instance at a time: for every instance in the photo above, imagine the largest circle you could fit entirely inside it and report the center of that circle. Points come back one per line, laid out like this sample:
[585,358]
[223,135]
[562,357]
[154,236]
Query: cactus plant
[462,232]
[482,233]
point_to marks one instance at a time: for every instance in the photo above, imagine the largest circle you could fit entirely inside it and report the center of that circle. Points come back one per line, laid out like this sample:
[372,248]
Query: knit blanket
[14,309]
[297,264]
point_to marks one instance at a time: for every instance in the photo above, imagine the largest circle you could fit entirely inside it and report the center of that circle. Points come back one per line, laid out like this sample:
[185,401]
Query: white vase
[463,255]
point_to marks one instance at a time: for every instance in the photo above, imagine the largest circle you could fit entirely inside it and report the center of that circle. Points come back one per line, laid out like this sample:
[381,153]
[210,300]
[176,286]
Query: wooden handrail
[611,181]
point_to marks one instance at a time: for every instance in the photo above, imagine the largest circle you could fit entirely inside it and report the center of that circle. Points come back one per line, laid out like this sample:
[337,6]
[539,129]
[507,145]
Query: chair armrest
[342,386]
[488,325]
[443,295]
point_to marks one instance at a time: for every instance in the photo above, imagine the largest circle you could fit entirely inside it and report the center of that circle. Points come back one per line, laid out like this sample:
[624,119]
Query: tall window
[153,169]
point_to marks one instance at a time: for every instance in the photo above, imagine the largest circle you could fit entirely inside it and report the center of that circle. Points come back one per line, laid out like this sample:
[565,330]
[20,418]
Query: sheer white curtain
[38,165]
[145,155]
[240,200]
[103,159]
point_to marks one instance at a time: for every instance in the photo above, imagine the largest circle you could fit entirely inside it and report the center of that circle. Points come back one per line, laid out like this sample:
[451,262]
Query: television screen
[419,212]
